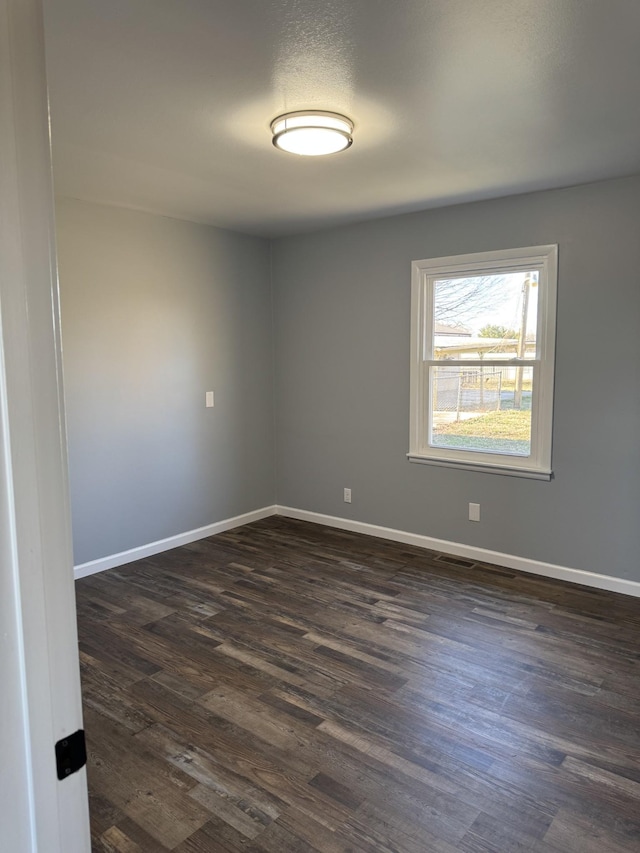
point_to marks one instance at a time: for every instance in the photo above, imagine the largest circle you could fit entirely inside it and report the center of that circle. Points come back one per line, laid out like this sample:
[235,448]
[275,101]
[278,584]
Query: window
[482,349]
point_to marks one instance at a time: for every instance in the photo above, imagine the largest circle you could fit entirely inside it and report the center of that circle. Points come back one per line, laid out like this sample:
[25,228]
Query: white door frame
[40,700]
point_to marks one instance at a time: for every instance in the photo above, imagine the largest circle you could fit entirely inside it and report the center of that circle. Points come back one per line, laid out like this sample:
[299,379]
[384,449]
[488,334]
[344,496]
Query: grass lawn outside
[503,431]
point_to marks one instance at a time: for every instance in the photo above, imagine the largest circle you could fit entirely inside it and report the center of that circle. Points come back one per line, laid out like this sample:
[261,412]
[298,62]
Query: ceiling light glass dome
[312,133]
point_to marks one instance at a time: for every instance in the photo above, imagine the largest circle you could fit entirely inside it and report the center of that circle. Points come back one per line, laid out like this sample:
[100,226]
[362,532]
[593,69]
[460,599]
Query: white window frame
[425,273]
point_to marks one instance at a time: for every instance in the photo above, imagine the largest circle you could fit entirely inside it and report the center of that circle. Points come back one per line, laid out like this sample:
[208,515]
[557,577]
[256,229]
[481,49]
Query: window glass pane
[486,409]
[492,316]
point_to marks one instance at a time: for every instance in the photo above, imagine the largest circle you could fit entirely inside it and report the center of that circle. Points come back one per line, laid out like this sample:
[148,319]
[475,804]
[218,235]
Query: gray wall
[155,312]
[342,309]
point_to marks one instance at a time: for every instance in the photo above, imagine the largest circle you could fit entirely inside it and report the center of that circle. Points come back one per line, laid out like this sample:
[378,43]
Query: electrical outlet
[347,496]
[474,512]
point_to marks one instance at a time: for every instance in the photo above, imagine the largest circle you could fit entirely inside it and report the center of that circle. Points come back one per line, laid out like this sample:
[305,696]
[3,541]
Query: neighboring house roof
[444,344]
[447,329]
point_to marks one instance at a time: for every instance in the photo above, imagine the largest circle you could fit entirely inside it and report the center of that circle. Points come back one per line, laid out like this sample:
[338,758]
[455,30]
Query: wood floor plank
[140,785]
[290,688]
[586,834]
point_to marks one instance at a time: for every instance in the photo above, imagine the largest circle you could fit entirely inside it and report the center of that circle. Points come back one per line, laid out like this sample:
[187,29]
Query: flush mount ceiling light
[312,132]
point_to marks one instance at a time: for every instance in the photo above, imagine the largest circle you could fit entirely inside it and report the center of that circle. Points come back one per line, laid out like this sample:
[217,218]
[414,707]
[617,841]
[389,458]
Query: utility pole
[522,343]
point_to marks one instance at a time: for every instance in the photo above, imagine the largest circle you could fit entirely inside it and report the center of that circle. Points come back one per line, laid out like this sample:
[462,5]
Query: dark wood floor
[286,687]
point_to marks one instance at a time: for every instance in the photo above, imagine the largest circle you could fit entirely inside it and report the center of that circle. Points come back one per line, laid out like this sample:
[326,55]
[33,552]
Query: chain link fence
[466,389]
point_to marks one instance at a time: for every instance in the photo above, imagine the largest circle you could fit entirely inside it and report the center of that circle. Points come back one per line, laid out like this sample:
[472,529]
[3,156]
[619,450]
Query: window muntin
[482,360]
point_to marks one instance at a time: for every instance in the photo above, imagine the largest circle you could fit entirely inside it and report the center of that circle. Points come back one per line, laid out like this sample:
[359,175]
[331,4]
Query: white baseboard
[152,548]
[471,552]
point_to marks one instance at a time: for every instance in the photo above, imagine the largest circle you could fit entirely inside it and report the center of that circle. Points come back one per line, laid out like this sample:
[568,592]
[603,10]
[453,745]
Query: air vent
[455,561]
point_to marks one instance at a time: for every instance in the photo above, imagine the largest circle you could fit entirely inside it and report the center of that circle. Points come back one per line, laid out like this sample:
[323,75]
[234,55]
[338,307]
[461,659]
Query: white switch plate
[209,399]
[347,496]
[474,512]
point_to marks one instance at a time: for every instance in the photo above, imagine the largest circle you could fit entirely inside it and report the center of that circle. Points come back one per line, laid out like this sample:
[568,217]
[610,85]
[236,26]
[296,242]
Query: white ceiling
[165,105]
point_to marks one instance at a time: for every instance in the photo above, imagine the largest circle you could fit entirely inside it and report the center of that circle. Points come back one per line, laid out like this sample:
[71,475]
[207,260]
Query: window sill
[505,470]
